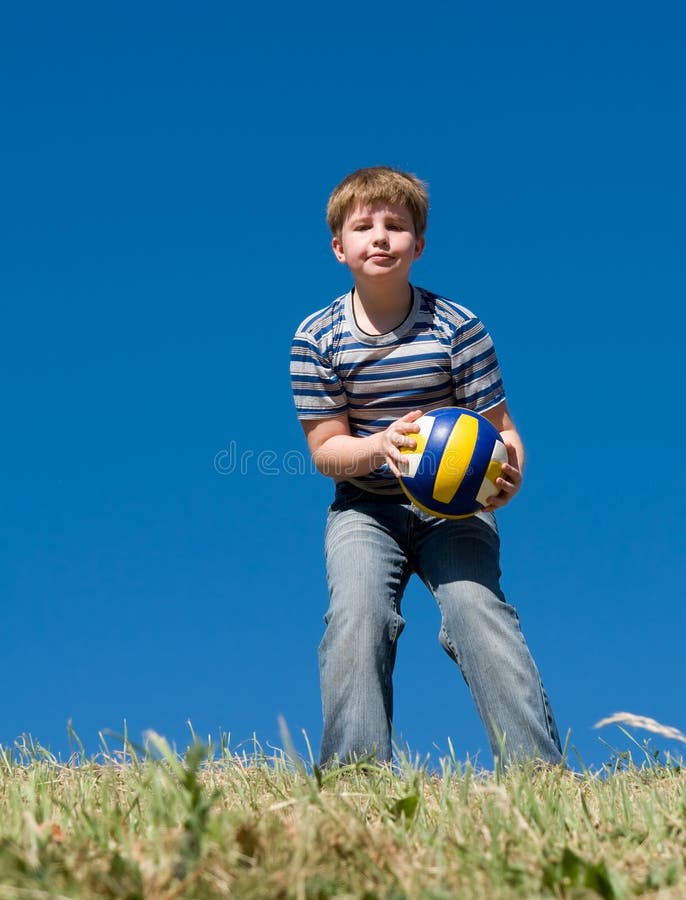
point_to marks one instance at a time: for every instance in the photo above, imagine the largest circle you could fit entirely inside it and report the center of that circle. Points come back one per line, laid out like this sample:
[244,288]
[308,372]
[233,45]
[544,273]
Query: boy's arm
[340,455]
[511,479]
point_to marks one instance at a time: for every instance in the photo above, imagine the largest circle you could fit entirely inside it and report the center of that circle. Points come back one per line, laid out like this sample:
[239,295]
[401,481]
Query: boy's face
[378,242]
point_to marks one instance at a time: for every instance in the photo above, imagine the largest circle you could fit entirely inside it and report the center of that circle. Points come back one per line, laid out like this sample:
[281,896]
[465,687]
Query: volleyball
[453,469]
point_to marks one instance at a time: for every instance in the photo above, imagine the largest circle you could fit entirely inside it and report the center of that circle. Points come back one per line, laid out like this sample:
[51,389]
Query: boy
[363,370]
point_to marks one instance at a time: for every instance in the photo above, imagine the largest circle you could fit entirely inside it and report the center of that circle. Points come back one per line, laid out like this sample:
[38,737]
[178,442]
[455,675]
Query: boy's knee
[363,624]
[471,607]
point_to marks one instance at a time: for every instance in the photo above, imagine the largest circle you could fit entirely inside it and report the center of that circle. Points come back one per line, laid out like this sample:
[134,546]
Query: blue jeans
[373,546]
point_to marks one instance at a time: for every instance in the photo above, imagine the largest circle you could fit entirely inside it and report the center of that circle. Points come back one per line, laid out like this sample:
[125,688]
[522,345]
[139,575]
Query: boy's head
[378,184]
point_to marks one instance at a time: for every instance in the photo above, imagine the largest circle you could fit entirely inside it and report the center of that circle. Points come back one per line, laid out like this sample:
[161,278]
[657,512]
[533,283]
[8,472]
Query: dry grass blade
[644,722]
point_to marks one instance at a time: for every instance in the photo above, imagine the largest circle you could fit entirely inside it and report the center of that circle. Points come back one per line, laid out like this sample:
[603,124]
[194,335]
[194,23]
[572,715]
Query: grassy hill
[161,825]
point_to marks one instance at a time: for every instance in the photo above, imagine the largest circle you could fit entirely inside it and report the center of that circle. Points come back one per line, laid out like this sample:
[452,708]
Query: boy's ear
[337,247]
[419,245]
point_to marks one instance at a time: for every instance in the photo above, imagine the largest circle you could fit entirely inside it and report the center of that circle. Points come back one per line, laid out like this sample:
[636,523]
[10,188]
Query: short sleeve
[477,380]
[317,388]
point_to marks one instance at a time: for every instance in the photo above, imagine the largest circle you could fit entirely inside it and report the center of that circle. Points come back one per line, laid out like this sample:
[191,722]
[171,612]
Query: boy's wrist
[377,454]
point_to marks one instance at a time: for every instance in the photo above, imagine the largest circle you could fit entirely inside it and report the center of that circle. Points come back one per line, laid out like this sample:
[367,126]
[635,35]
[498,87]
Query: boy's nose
[380,236]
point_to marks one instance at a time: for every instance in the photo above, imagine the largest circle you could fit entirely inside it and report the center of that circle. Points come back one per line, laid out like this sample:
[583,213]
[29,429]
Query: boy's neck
[381,310]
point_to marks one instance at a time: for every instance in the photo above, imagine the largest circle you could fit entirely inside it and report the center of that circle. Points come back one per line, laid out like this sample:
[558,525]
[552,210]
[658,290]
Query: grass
[213,823]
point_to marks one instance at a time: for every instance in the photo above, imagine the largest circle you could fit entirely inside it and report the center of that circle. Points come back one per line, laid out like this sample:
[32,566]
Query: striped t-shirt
[440,355]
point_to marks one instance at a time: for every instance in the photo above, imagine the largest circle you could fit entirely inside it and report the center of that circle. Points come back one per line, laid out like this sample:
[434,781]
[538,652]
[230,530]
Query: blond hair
[378,184]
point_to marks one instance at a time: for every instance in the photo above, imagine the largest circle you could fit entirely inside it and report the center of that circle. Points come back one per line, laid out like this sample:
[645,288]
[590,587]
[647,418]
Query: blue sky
[165,169]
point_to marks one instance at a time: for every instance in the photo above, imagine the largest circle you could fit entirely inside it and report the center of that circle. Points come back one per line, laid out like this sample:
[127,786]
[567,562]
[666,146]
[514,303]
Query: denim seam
[447,642]
[549,720]
[394,635]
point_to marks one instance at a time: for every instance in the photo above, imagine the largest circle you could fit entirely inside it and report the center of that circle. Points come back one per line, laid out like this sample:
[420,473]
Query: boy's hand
[509,482]
[397,435]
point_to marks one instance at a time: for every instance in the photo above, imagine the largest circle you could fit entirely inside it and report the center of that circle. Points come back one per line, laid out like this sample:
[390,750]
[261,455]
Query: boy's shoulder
[446,310]
[323,320]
